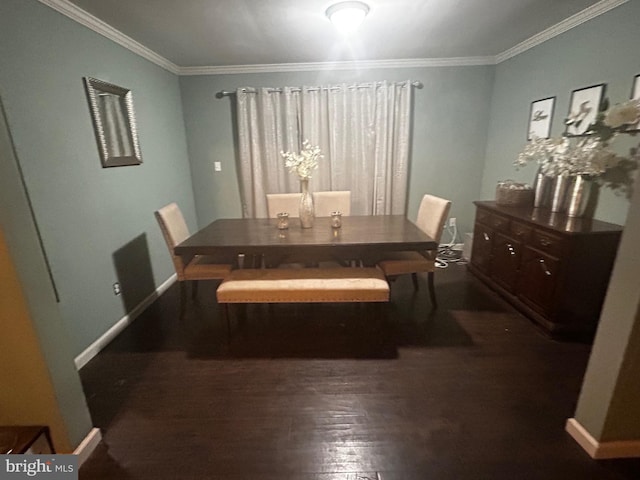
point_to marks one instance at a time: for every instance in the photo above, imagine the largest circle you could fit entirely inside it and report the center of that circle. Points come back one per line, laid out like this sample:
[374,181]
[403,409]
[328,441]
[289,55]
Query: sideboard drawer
[520,231]
[546,242]
[498,222]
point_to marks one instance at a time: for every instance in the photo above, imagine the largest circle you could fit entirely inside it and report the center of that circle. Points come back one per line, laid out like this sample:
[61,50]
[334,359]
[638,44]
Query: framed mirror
[114,123]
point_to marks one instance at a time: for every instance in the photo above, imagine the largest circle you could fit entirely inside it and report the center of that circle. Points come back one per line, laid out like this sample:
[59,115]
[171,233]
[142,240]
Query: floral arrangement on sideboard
[590,157]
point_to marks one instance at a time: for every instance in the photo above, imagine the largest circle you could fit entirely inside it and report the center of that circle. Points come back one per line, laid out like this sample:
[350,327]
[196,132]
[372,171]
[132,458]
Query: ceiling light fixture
[347,16]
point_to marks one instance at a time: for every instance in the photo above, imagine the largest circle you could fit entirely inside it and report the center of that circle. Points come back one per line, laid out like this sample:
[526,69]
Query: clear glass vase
[306,205]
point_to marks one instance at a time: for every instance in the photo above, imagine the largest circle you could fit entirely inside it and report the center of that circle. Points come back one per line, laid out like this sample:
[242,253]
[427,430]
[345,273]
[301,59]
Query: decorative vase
[306,205]
[578,196]
[559,191]
[541,188]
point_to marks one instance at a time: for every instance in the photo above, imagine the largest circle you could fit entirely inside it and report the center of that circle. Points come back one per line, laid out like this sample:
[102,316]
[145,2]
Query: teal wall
[603,50]
[16,222]
[97,224]
[450,129]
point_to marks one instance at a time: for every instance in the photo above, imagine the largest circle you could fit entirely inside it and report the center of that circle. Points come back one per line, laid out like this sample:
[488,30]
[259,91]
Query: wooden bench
[302,285]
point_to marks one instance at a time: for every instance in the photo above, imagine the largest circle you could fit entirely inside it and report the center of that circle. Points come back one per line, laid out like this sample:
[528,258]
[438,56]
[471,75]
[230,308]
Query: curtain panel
[363,131]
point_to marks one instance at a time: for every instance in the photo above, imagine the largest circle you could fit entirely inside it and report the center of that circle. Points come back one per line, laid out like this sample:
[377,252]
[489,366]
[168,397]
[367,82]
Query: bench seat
[304,285]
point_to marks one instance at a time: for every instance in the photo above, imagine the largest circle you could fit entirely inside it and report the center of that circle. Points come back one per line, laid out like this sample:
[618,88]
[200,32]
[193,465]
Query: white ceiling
[215,33]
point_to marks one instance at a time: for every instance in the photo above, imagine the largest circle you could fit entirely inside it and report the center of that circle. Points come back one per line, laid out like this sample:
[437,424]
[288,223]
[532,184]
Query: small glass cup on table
[336,219]
[283,221]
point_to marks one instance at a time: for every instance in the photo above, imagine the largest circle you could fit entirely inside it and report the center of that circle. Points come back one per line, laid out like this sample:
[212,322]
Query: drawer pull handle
[486,237]
[544,242]
[544,268]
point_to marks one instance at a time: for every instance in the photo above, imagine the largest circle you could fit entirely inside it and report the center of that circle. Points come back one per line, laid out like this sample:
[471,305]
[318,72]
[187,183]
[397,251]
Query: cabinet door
[538,280]
[481,250]
[506,261]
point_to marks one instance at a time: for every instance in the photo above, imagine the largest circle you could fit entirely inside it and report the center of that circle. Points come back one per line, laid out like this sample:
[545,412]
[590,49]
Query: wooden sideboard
[553,268]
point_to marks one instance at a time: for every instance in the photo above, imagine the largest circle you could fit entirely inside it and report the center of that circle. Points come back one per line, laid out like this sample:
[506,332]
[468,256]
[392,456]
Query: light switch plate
[217,166]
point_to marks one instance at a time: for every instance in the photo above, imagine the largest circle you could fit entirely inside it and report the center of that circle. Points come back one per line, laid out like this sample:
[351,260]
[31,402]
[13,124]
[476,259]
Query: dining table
[359,236]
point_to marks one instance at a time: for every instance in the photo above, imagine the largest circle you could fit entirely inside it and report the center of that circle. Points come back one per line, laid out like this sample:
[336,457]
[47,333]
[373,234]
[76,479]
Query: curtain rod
[225,93]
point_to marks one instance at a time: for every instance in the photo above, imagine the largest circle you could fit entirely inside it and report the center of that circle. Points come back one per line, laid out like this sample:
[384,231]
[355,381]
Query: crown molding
[354,65]
[559,28]
[84,18]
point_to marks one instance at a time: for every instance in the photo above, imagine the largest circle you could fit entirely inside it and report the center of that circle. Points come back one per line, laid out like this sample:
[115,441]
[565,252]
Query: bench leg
[225,314]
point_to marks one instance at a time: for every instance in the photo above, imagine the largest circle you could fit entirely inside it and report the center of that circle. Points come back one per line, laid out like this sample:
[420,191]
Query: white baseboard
[602,450]
[95,348]
[88,445]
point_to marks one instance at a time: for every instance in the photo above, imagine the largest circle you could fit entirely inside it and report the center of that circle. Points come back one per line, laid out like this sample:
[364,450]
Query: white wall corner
[602,450]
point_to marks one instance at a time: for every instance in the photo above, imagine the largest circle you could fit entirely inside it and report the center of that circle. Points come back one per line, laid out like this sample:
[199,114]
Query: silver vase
[578,196]
[541,189]
[307,213]
[561,184]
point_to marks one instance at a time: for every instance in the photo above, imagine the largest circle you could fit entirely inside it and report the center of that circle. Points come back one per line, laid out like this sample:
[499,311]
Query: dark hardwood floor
[323,392]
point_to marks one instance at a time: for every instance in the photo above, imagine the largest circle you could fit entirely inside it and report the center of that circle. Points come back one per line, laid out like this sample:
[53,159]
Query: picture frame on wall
[583,109]
[540,117]
[635,95]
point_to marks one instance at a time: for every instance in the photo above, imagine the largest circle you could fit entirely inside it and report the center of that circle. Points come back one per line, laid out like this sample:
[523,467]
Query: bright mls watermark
[52,467]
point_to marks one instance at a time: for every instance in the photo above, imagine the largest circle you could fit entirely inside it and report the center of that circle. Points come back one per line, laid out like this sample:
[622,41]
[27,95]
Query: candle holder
[336,219]
[283,221]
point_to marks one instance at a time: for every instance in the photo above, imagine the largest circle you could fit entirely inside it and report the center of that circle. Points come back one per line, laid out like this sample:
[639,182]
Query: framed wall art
[635,95]
[583,109]
[540,117]
[114,123]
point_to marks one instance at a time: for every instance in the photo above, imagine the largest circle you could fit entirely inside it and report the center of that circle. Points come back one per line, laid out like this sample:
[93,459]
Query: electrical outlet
[452,222]
[217,166]
[116,288]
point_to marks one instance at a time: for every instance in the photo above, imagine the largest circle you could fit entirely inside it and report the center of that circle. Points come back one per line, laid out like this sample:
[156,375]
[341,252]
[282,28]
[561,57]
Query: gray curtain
[363,131]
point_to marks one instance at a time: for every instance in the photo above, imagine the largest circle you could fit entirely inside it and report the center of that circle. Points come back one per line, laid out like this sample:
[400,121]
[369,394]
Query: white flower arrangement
[303,163]
[589,155]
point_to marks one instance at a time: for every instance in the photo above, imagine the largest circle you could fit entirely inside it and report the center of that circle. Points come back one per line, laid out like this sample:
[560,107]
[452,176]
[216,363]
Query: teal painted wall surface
[17,223]
[449,139]
[97,224]
[602,50]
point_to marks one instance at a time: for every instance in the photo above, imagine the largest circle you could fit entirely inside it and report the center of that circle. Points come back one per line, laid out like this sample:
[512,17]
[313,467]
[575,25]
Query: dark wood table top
[358,235]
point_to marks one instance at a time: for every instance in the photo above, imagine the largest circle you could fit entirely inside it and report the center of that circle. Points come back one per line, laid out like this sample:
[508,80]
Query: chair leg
[183,298]
[432,291]
[194,291]
[414,277]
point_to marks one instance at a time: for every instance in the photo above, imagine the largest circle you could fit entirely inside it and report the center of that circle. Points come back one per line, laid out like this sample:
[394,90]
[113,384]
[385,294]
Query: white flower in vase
[303,163]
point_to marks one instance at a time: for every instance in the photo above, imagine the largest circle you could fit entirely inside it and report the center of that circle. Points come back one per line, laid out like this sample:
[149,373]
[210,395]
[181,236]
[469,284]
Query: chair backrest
[432,214]
[283,202]
[324,203]
[175,231]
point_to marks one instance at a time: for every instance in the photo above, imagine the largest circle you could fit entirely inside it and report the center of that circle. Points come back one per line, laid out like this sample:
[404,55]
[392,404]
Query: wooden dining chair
[432,215]
[199,267]
[325,203]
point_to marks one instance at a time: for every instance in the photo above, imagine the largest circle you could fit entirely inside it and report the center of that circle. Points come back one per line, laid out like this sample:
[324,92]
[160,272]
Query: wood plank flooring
[472,391]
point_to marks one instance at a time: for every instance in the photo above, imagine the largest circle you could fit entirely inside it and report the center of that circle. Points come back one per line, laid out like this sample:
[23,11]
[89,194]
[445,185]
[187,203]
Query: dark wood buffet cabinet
[553,268]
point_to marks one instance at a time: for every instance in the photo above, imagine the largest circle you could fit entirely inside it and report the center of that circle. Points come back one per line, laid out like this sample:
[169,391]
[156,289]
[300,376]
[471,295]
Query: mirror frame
[95,88]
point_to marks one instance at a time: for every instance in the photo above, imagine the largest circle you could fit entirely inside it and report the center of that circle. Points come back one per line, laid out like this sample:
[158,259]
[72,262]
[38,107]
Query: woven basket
[514,195]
